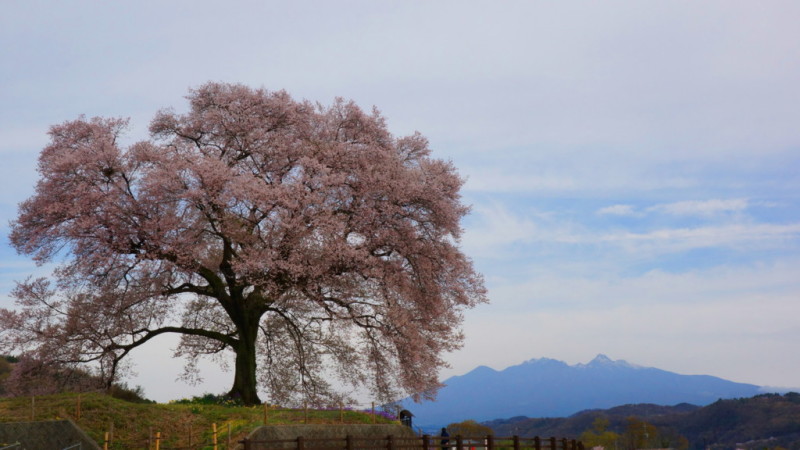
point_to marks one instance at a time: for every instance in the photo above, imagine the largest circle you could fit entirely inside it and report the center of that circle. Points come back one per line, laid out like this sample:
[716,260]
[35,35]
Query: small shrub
[134,395]
[210,399]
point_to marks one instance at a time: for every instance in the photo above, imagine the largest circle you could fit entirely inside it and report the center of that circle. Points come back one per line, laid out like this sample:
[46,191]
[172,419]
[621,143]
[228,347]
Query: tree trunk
[244,381]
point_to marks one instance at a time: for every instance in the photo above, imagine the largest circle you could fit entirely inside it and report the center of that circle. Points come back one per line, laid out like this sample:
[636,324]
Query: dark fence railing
[425,442]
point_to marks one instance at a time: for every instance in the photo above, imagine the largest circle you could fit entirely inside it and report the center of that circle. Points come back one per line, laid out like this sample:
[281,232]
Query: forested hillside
[763,421]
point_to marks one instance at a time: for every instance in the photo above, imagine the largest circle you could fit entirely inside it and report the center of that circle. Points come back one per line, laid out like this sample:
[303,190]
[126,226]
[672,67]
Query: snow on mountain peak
[602,360]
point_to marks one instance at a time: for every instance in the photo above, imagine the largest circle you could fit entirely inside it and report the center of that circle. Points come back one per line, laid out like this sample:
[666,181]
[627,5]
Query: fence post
[349,442]
[537,443]
[214,435]
[246,443]
[300,444]
[390,442]
[105,441]
[158,440]
[564,444]
[516,442]
[426,438]
[459,442]
[489,442]
[573,445]
[553,443]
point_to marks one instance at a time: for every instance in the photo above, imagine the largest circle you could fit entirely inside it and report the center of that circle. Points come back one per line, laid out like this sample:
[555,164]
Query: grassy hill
[130,425]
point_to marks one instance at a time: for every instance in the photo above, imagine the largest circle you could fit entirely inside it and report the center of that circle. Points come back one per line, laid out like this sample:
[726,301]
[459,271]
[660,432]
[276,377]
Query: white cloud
[618,210]
[553,288]
[498,180]
[649,105]
[704,208]
[699,322]
[698,208]
[734,236]
[496,227]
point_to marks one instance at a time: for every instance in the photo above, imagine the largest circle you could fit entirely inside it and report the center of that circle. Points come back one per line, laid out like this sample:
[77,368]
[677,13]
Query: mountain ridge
[546,387]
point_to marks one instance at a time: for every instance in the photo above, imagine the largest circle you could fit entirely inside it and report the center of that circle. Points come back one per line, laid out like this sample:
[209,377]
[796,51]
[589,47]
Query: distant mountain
[763,421]
[551,388]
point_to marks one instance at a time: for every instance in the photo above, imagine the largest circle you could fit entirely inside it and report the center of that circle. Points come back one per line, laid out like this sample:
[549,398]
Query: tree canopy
[469,428]
[306,240]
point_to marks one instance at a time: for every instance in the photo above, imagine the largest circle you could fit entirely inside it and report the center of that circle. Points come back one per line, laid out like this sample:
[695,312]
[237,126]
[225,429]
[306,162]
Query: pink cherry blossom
[307,240]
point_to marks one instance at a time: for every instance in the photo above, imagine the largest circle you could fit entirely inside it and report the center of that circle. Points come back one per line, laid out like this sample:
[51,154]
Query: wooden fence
[425,442]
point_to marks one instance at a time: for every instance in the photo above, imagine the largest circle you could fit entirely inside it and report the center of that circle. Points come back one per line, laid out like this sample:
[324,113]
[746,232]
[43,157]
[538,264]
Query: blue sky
[632,166]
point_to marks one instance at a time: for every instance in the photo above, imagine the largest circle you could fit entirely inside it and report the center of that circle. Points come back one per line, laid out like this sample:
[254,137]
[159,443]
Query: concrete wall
[48,435]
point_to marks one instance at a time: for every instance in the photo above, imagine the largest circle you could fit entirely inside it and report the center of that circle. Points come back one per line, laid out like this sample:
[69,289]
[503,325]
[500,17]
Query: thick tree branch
[189,288]
[150,334]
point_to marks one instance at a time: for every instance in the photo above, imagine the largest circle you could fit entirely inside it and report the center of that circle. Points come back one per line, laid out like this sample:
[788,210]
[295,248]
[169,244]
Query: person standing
[445,438]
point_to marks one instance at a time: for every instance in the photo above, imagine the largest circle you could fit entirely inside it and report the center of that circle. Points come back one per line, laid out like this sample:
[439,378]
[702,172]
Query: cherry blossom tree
[305,240]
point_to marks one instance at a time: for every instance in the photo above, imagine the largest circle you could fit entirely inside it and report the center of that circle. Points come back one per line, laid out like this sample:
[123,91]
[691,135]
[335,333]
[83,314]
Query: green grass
[180,424]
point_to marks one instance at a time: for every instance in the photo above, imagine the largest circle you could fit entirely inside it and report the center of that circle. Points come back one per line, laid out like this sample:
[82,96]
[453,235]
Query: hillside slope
[763,421]
[132,424]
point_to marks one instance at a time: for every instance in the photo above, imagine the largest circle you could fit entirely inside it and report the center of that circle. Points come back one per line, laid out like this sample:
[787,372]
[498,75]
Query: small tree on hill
[306,240]
[599,435]
[469,428]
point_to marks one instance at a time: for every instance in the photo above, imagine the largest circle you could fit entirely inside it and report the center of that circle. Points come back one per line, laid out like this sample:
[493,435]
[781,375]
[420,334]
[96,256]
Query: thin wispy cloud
[733,236]
[699,208]
[496,227]
[619,210]
[703,208]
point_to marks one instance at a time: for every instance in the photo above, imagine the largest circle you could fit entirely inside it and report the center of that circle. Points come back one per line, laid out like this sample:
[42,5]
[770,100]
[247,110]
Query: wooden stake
[214,435]
[105,441]
[158,440]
